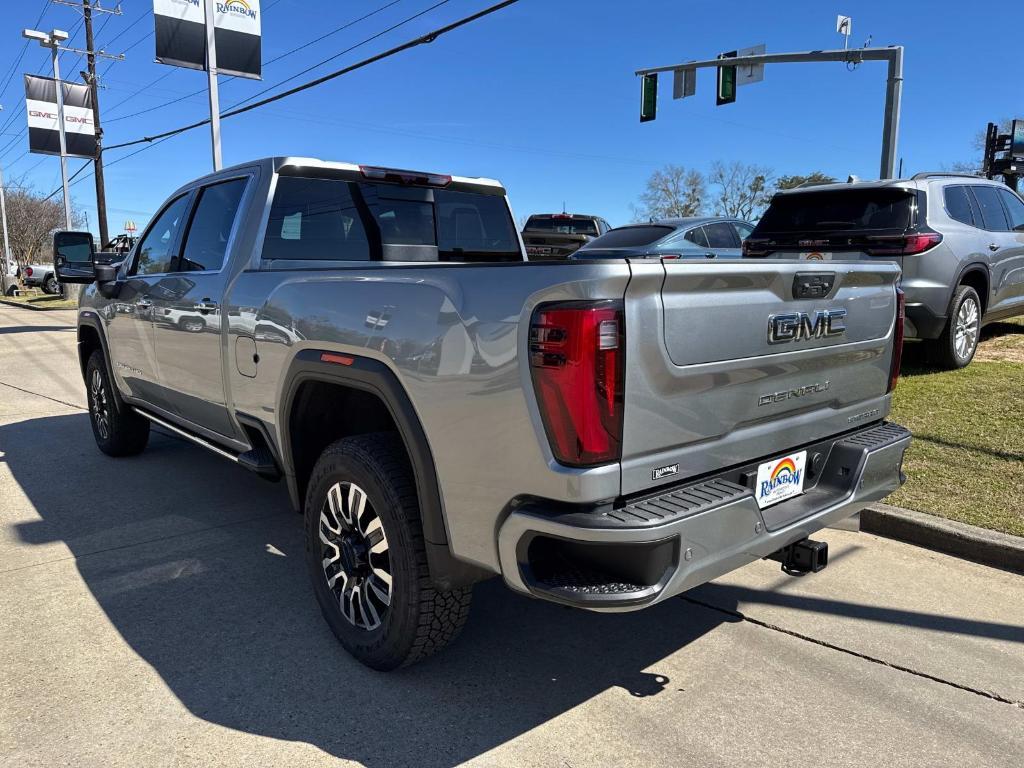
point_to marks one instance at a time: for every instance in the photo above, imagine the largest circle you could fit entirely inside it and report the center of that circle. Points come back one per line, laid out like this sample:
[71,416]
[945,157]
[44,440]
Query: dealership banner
[181,34]
[43,125]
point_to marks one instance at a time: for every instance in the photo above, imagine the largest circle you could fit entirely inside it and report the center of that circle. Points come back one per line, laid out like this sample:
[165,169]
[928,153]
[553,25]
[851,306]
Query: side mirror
[73,254]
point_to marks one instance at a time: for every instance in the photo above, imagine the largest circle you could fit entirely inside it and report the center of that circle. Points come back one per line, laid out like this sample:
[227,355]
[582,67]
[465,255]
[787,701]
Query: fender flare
[983,268]
[376,378]
[91,319]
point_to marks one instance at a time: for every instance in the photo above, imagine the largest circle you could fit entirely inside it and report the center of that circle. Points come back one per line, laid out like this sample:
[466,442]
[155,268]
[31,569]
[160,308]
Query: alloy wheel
[355,556]
[99,404]
[966,332]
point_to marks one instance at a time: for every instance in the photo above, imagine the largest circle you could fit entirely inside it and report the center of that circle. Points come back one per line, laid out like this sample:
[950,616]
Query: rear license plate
[539,251]
[780,479]
[815,256]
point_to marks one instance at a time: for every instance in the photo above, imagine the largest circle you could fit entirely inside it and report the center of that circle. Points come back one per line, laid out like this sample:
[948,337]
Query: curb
[32,307]
[980,545]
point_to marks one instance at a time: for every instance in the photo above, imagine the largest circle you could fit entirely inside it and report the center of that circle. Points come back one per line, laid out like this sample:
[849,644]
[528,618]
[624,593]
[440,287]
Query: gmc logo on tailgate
[800,326]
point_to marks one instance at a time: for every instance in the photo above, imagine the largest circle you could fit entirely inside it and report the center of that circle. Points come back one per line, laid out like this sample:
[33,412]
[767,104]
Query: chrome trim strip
[187,435]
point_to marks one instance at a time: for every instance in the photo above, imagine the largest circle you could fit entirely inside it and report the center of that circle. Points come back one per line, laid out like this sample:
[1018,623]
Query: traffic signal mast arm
[893,91]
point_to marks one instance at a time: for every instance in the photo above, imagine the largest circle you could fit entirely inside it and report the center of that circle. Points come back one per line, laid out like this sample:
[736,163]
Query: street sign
[684,83]
[750,73]
[726,81]
[648,97]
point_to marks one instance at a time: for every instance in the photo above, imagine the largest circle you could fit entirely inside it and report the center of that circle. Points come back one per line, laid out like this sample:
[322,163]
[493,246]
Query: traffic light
[726,81]
[648,97]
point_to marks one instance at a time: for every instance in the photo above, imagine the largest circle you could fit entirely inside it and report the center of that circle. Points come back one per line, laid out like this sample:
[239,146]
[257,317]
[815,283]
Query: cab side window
[156,251]
[212,221]
[959,205]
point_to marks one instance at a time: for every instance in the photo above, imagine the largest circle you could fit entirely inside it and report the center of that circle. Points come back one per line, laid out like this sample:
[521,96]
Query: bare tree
[671,192]
[744,190]
[31,221]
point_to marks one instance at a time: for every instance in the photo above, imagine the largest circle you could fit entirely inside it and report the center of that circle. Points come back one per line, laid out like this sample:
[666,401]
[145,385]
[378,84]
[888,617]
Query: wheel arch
[376,400]
[976,275]
[91,338]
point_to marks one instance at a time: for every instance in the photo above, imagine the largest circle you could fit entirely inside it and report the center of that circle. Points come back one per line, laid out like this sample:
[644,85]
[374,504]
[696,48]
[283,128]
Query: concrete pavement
[155,611]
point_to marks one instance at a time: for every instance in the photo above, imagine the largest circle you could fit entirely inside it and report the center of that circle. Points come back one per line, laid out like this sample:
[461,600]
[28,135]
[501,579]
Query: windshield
[564,225]
[844,210]
[630,237]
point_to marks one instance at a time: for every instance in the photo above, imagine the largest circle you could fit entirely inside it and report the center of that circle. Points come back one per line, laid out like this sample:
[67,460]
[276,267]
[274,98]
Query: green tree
[792,182]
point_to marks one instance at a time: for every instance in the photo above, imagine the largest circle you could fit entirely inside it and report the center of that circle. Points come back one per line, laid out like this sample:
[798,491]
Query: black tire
[956,346]
[50,285]
[118,431]
[417,620]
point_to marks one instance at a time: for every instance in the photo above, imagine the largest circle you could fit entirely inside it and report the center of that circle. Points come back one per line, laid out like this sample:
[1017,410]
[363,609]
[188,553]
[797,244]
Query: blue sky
[541,95]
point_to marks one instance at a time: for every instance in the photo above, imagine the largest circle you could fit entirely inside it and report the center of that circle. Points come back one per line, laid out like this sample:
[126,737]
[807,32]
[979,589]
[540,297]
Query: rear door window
[1014,209]
[212,221]
[959,205]
[630,237]
[721,235]
[839,211]
[742,230]
[992,215]
[698,237]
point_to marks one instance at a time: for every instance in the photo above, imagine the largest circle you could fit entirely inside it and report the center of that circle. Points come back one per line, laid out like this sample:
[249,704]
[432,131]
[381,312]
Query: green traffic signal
[648,97]
[726,81]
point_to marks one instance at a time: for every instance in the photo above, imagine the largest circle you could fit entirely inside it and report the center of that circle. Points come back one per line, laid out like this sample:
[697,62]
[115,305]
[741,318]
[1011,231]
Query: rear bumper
[923,323]
[649,549]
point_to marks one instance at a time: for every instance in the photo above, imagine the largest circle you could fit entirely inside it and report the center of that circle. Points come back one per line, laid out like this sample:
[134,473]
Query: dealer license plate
[780,479]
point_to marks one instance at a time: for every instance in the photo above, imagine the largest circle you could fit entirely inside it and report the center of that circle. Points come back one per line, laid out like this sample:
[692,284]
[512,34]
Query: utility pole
[5,257]
[86,8]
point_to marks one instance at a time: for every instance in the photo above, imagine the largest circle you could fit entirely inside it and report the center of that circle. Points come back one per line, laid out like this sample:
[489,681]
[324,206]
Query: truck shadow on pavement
[199,566]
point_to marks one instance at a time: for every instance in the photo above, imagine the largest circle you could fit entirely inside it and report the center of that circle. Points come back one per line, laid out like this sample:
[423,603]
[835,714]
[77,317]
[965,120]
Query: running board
[258,459]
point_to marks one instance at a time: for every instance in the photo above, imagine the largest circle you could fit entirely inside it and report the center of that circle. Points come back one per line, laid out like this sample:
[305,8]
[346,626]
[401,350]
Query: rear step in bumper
[652,549]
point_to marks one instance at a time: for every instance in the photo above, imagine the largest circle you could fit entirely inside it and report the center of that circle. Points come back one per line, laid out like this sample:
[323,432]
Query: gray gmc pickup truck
[603,434]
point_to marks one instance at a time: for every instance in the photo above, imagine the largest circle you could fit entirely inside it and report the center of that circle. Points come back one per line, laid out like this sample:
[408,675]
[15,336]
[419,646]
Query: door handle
[993,246]
[204,306]
[710,255]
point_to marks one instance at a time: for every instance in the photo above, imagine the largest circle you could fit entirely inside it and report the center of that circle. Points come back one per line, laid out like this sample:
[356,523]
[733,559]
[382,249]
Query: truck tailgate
[706,387]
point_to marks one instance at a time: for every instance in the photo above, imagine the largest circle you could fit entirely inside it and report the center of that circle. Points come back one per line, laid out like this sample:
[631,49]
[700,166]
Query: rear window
[630,237]
[331,219]
[843,210]
[563,226]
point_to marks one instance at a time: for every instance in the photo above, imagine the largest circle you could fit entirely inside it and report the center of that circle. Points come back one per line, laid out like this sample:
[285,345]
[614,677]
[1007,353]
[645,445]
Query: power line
[24,48]
[152,141]
[202,91]
[421,40]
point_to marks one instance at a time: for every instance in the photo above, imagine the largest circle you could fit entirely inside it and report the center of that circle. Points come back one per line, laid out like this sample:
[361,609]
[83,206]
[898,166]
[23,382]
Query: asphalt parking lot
[155,611]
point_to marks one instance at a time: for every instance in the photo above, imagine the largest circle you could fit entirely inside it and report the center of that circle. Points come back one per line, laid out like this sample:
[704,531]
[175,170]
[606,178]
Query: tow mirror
[73,257]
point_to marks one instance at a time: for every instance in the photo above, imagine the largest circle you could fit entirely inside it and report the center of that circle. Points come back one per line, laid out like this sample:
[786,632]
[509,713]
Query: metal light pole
[53,41]
[5,257]
[211,69]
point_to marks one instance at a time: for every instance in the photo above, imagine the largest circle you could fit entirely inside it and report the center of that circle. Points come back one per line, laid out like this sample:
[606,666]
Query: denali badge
[660,472]
[787,394]
[800,326]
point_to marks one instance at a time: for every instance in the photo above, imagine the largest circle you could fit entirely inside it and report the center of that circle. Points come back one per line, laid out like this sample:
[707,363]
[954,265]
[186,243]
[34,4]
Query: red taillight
[897,340]
[28,270]
[405,177]
[577,358]
[902,245]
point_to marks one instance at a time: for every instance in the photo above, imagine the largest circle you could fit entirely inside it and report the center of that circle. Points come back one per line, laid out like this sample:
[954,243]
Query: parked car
[40,276]
[958,239]
[697,237]
[455,412]
[553,236]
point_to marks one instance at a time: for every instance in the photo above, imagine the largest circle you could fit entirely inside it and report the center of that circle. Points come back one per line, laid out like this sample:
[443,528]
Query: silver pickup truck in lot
[603,434]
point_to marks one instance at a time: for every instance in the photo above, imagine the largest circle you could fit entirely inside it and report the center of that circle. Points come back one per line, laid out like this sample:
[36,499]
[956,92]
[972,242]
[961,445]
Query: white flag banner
[181,35]
[43,122]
